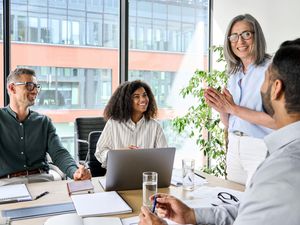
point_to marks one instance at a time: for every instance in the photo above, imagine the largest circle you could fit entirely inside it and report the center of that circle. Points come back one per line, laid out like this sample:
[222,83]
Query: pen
[199,175]
[41,195]
[154,203]
[85,164]
[9,201]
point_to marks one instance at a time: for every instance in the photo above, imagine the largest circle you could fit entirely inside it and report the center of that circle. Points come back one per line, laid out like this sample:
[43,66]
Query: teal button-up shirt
[23,145]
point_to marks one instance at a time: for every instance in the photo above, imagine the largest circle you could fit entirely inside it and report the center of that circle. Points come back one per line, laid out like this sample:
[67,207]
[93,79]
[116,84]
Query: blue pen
[154,203]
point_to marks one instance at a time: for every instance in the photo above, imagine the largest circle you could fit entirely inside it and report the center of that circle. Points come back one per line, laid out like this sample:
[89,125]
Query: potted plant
[201,122]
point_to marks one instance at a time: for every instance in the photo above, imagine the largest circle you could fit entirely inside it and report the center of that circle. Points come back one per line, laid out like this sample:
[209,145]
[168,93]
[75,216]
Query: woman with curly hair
[130,115]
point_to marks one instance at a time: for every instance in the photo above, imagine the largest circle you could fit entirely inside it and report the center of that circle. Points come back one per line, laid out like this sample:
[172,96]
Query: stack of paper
[80,187]
[73,219]
[14,193]
[103,203]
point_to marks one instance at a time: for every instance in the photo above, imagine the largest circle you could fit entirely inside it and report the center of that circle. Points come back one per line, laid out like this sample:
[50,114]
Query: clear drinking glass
[188,167]
[149,187]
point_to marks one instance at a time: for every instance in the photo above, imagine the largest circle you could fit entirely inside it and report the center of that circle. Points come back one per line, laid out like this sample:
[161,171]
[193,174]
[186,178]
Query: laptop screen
[125,167]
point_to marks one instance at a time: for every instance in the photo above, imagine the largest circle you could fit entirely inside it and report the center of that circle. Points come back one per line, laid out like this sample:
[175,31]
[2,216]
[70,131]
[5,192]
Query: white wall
[280,20]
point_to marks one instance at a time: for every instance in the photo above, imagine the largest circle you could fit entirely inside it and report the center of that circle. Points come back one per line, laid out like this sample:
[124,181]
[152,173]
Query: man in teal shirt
[26,136]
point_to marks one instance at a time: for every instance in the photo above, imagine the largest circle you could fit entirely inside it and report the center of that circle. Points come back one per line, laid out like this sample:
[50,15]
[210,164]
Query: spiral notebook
[14,193]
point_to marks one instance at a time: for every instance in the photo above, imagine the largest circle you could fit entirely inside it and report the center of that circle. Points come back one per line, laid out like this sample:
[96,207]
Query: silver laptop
[125,168]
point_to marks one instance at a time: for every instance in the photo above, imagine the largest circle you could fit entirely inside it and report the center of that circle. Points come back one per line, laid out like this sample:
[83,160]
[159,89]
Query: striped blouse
[120,135]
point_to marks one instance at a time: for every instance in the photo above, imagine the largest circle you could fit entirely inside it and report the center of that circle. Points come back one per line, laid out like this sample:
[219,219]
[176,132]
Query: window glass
[160,11]
[94,29]
[144,9]
[73,46]
[60,41]
[166,37]
[94,5]
[1,56]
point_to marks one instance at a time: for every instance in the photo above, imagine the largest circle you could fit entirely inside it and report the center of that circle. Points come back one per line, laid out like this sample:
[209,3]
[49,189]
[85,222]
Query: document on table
[14,193]
[176,179]
[207,196]
[102,203]
[74,219]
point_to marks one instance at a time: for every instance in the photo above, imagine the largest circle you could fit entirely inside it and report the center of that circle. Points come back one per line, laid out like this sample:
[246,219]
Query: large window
[2,85]
[165,38]
[73,46]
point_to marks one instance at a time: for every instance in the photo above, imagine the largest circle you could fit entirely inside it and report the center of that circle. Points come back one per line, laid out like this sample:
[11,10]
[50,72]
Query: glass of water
[149,187]
[188,167]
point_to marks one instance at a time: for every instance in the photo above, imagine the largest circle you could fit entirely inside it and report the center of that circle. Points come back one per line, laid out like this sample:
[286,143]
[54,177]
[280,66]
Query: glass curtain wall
[168,42]
[73,46]
[2,85]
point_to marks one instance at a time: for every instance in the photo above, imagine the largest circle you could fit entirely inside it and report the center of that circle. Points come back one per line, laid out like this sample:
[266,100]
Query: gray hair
[14,74]
[234,62]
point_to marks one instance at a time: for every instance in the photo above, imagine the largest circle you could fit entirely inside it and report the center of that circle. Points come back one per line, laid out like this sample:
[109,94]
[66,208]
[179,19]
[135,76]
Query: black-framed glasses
[30,86]
[228,198]
[246,35]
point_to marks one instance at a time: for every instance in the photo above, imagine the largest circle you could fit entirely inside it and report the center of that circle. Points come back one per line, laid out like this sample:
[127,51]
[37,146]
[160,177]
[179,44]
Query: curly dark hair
[119,106]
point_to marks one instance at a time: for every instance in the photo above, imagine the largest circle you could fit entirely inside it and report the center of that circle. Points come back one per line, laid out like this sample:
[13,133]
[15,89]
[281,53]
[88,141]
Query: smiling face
[140,101]
[242,48]
[21,95]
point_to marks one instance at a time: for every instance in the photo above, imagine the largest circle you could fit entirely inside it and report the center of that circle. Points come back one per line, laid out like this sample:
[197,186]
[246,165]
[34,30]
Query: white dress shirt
[120,135]
[273,194]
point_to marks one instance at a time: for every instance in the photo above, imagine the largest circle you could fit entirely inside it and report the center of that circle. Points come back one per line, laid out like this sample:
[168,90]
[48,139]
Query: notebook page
[14,192]
[103,203]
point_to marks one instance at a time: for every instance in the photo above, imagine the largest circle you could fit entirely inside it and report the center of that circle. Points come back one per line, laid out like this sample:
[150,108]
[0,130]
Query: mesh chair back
[83,126]
[87,133]
[94,164]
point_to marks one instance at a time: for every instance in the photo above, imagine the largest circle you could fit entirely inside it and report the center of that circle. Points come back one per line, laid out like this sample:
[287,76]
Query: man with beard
[273,193]
[26,136]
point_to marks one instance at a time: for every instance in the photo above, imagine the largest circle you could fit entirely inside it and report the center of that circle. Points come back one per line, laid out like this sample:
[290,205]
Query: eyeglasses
[30,86]
[227,198]
[246,35]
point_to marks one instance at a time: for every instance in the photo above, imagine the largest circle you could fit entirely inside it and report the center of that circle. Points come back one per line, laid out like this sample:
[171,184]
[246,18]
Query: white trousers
[244,155]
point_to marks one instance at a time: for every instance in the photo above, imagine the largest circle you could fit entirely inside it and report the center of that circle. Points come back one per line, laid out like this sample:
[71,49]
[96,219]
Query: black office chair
[87,133]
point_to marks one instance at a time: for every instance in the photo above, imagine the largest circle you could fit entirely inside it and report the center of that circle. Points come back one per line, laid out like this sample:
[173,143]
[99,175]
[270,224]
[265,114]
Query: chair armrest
[82,141]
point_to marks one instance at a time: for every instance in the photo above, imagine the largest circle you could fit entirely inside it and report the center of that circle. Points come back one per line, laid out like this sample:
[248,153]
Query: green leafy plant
[201,122]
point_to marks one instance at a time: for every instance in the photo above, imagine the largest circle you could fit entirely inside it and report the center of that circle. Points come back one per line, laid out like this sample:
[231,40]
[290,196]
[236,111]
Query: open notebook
[14,193]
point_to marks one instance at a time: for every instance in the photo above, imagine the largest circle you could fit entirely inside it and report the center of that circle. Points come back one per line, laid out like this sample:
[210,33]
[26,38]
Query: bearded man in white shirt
[272,196]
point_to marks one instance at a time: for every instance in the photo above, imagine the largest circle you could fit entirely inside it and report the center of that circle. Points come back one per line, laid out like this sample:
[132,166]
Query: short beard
[266,102]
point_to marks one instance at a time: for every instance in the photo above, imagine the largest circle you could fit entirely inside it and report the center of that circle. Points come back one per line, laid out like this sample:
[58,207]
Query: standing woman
[130,113]
[240,106]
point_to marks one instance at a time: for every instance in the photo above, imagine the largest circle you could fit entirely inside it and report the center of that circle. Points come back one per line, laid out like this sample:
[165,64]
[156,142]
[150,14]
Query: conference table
[58,194]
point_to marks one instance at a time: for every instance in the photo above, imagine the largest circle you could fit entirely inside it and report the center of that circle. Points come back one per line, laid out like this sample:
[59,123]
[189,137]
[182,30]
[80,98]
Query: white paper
[102,203]
[17,192]
[74,219]
[176,179]
[206,196]
[135,221]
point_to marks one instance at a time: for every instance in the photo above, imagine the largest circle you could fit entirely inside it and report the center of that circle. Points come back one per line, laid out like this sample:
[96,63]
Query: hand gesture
[172,208]
[221,102]
[82,173]
[149,218]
